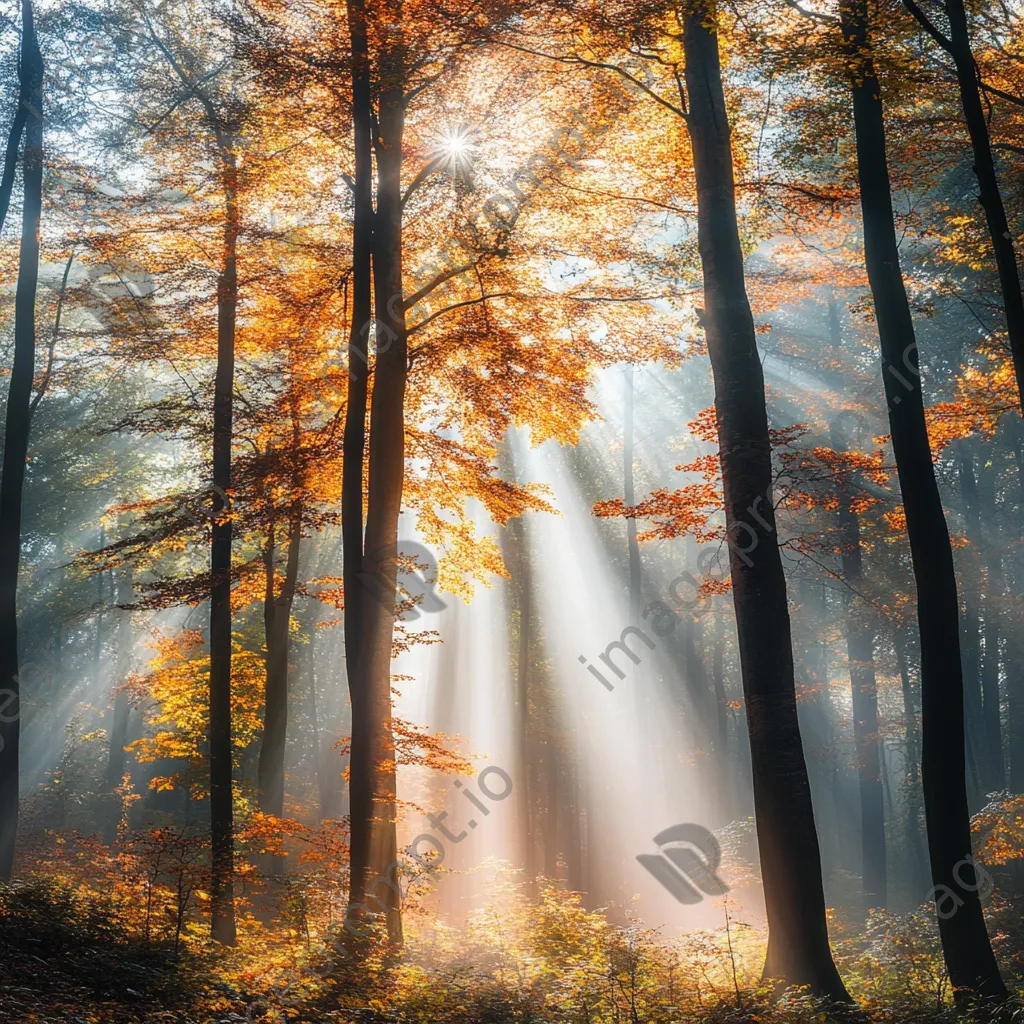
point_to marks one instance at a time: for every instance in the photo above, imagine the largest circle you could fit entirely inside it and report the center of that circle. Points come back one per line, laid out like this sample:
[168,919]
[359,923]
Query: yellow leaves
[177,684]
[1000,827]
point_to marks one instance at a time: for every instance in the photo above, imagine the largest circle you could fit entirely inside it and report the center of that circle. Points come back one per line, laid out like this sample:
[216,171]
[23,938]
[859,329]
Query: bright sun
[455,145]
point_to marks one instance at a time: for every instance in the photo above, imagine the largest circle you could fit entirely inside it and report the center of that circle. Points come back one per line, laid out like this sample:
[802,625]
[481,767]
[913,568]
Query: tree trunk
[552,798]
[860,648]
[354,447]
[518,556]
[19,395]
[984,623]
[629,497]
[798,948]
[373,803]
[122,706]
[913,766]
[968,953]
[222,899]
[968,78]
[277,619]
[835,331]
[980,764]
[721,699]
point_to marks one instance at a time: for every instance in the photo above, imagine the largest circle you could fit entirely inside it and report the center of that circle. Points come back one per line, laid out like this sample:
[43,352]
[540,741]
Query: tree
[860,646]
[968,952]
[19,403]
[958,45]
[798,949]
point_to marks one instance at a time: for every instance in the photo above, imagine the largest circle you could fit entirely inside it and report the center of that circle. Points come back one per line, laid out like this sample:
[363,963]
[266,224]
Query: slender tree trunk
[374,803]
[97,637]
[860,648]
[574,855]
[629,497]
[122,704]
[913,764]
[958,45]
[354,452]
[11,159]
[324,810]
[277,619]
[983,621]
[718,678]
[522,589]
[835,332]
[990,698]
[968,953]
[222,898]
[798,948]
[1015,712]
[19,395]
[552,798]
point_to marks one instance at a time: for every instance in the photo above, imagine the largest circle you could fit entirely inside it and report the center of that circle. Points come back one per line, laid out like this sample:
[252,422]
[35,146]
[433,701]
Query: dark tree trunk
[860,648]
[968,953]
[354,444]
[373,804]
[19,396]
[277,611]
[798,948]
[11,159]
[222,899]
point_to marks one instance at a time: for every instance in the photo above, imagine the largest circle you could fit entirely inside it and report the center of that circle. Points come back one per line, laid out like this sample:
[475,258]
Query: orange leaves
[1000,827]
[704,425]
[413,745]
[896,520]
[675,513]
[981,399]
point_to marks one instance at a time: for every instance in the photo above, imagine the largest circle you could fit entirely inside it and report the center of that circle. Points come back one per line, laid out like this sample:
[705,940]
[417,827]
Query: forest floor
[65,958]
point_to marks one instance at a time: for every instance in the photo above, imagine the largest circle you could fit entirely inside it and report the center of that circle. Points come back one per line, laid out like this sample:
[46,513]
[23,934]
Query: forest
[511,513]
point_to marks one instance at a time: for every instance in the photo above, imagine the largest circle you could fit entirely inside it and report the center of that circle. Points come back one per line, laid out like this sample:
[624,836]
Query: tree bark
[277,612]
[122,705]
[373,781]
[222,899]
[798,948]
[860,648]
[968,953]
[354,446]
[19,396]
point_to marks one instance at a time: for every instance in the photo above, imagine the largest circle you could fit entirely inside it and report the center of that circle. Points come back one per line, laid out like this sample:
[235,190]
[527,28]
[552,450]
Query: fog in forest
[511,512]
